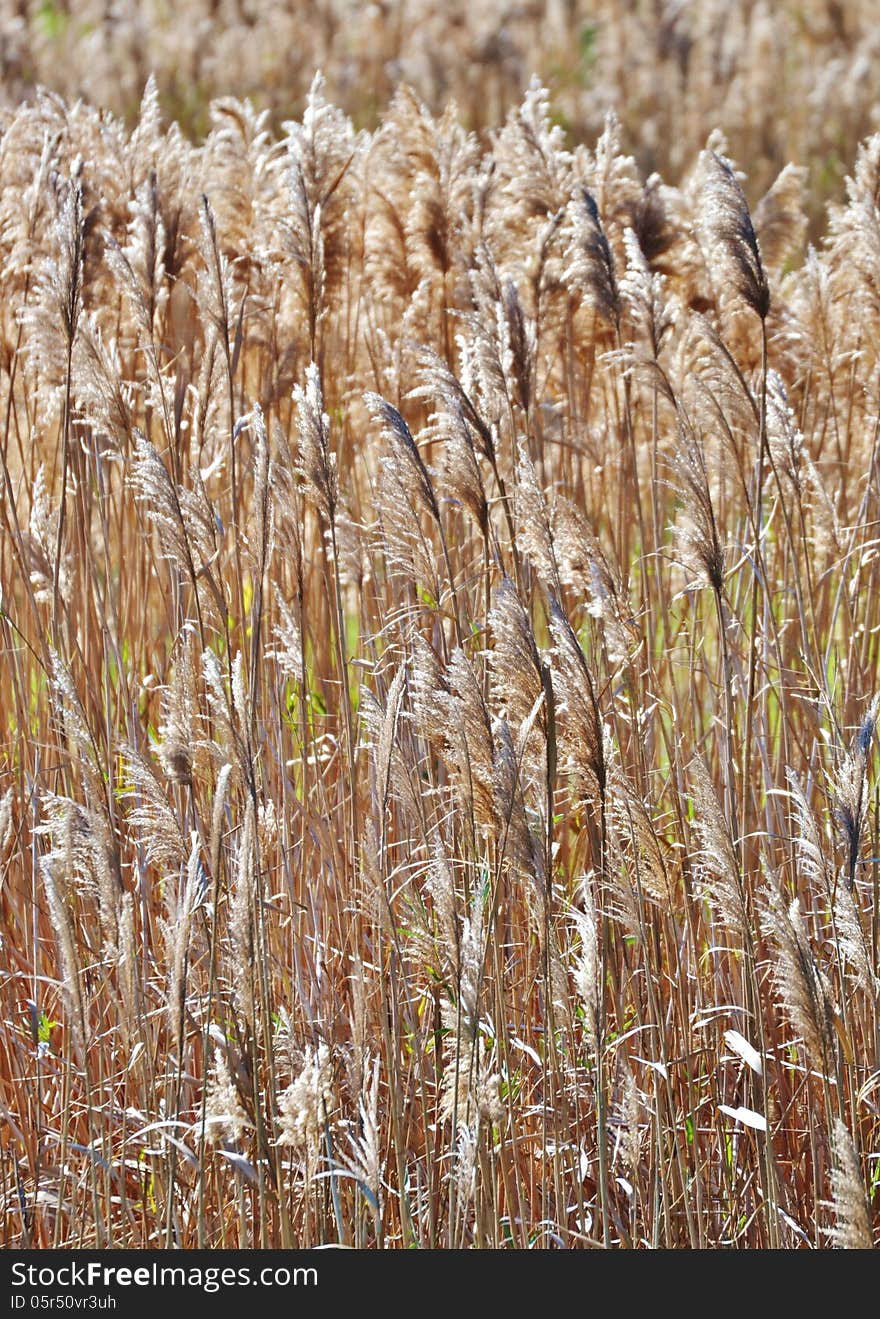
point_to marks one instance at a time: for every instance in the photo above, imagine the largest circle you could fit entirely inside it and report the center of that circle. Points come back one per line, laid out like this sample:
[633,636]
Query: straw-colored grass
[438,682]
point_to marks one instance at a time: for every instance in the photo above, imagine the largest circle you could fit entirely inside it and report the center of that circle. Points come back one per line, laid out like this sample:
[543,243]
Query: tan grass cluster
[440,652]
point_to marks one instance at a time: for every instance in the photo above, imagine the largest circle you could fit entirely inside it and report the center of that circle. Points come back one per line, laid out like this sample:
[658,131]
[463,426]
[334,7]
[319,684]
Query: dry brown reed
[440,642]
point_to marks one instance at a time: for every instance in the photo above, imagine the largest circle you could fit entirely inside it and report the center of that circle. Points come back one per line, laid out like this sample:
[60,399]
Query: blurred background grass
[788,81]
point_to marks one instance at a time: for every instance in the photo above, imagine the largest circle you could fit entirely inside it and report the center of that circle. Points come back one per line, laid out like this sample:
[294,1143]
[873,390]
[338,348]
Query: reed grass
[439,685]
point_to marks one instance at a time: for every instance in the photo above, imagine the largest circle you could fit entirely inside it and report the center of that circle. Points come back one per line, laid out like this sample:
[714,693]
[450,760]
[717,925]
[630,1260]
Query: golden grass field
[440,623]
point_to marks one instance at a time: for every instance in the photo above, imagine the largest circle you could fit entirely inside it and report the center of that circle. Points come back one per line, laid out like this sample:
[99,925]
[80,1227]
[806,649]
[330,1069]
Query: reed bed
[439,682]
